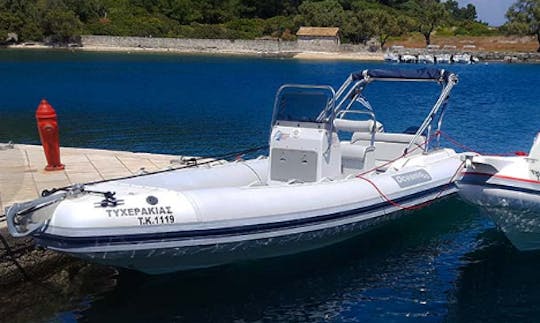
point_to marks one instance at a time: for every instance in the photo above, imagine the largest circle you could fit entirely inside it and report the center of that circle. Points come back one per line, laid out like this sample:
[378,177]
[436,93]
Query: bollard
[47,124]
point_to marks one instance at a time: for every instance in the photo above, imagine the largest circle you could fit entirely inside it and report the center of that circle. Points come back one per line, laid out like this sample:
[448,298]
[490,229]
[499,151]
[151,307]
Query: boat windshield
[303,103]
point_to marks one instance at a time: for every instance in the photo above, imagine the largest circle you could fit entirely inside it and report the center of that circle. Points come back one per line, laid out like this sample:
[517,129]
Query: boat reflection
[393,273]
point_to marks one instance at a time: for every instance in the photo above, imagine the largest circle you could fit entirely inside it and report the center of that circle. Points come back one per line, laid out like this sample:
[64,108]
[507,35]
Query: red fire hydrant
[47,124]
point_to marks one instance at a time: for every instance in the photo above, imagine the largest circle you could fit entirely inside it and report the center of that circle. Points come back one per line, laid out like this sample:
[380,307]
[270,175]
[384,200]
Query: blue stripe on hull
[63,242]
[483,182]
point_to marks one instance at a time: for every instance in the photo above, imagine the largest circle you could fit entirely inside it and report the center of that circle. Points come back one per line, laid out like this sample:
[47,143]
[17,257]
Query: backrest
[357,125]
[535,148]
[402,138]
[534,159]
[389,145]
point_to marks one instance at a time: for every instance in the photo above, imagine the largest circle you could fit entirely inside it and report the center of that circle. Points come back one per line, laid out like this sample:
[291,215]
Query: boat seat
[357,125]
[388,145]
[535,148]
[355,157]
[534,158]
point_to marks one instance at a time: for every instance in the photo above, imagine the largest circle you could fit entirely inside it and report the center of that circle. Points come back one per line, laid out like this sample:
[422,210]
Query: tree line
[60,21]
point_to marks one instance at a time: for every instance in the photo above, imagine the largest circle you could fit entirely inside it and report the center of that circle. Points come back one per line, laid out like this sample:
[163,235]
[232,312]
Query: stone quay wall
[276,47]
[257,46]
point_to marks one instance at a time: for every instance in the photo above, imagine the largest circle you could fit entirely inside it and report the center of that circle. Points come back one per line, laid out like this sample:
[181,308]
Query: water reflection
[399,271]
[70,289]
[497,283]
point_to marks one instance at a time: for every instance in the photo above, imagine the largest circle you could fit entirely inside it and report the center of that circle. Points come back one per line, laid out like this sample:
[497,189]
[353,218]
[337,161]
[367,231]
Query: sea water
[445,263]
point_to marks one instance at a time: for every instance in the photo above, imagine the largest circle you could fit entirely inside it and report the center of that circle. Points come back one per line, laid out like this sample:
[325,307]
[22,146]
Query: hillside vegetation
[60,21]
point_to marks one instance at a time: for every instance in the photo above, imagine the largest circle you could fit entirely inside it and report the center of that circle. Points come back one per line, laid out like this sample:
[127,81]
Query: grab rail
[19,215]
[370,113]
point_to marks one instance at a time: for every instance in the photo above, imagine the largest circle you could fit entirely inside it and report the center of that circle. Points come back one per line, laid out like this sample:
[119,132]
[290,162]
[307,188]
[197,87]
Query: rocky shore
[483,55]
[37,283]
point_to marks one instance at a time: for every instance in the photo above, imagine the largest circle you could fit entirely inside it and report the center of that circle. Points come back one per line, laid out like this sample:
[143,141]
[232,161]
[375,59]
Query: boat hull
[164,253]
[220,225]
[513,204]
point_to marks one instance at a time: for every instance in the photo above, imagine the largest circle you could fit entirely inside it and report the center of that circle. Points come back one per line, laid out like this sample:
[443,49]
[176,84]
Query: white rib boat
[508,189]
[391,57]
[462,58]
[313,190]
[426,59]
[443,58]
[408,58]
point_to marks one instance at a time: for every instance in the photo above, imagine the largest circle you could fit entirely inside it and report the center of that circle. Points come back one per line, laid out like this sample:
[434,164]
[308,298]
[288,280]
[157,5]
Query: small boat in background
[508,189]
[426,59]
[391,57]
[443,58]
[408,58]
[462,58]
[465,59]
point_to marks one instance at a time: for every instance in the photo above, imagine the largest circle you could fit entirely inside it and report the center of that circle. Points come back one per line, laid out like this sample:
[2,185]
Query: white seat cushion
[356,125]
[352,151]
[402,138]
[389,145]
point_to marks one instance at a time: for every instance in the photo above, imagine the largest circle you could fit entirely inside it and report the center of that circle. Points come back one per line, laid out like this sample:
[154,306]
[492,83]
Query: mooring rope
[11,255]
[467,148]
[195,163]
[418,206]
[424,204]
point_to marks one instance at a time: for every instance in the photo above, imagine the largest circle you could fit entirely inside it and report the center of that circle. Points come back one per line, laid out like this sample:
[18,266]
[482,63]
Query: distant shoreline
[324,56]
[300,55]
[486,56]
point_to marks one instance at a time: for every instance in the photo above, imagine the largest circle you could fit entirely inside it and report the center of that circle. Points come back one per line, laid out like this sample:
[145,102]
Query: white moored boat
[443,58]
[462,58]
[408,58]
[313,190]
[426,59]
[508,189]
[391,57]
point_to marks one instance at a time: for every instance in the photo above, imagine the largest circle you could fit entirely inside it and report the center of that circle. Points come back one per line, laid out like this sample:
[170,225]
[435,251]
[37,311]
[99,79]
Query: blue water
[444,263]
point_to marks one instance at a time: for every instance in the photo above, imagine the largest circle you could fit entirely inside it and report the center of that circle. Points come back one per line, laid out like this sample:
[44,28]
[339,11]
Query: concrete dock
[23,178]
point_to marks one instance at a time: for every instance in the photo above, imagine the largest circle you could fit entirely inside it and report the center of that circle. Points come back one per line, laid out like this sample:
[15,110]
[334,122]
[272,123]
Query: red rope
[400,156]
[418,206]
[429,202]
[467,148]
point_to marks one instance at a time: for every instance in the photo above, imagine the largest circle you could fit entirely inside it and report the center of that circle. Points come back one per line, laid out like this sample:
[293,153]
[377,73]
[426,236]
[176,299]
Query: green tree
[10,22]
[466,13]
[182,11]
[392,3]
[217,11]
[61,25]
[30,31]
[326,13]
[524,18]
[356,28]
[429,14]
[87,10]
[277,26]
[267,8]
[385,25]
[247,28]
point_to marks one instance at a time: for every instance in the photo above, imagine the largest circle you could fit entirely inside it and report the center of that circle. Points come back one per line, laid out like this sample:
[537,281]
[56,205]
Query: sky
[490,11]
